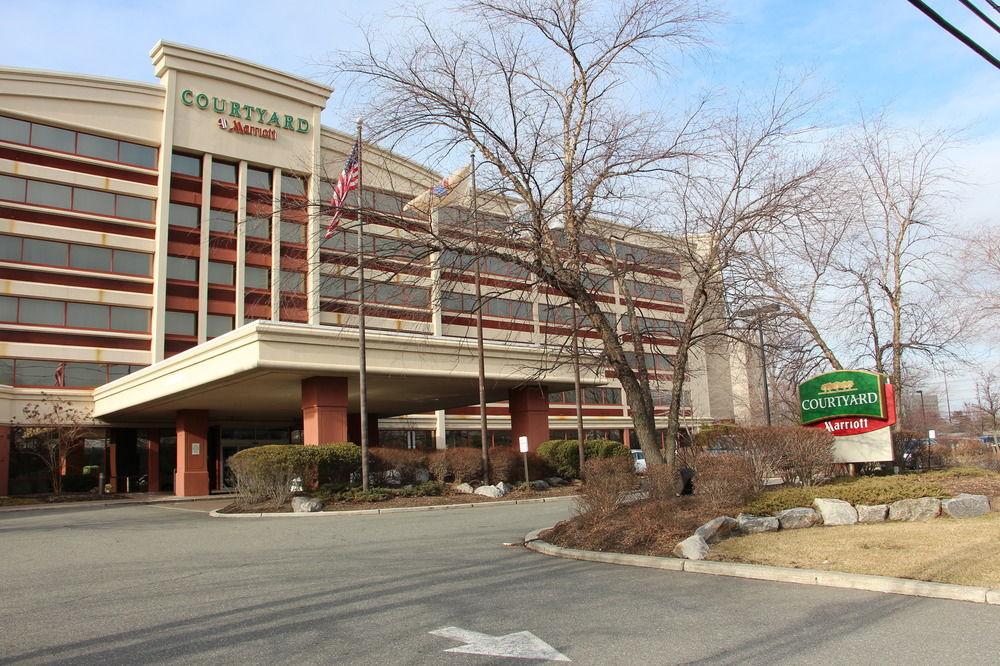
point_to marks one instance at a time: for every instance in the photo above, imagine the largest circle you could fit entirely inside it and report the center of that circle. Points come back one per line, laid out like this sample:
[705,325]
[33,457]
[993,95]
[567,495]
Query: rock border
[397,509]
[885,584]
[831,512]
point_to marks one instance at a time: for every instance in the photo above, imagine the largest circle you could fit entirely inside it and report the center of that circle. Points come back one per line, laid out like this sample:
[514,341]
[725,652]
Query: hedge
[563,456]
[265,473]
[865,490]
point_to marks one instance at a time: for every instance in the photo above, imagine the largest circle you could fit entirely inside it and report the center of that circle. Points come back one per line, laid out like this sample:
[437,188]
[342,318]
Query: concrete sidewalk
[132,499]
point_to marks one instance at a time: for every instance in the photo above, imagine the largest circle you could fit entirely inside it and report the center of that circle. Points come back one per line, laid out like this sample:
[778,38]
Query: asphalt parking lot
[168,584]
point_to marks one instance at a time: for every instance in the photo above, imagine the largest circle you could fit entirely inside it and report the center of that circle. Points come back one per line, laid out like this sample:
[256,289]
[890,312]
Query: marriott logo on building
[245,112]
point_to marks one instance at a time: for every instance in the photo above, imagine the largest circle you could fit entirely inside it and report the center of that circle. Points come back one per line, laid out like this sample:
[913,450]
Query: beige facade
[159,217]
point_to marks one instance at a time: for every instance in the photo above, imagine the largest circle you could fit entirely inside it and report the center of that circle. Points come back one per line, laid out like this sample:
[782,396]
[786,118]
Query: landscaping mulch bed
[395,502]
[647,527]
[26,500]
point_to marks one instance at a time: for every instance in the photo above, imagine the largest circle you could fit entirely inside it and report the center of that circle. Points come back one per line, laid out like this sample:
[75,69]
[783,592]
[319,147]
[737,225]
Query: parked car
[638,461]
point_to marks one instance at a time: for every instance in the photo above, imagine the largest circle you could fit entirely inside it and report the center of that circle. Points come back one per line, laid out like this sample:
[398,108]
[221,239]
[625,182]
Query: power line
[958,34]
[978,12]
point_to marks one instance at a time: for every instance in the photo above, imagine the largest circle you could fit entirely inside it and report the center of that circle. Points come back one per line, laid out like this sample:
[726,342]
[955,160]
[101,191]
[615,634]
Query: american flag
[347,183]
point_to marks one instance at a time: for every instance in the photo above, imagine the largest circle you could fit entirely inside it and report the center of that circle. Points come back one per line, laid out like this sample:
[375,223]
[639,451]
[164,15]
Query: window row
[226,172]
[77,143]
[220,272]
[667,327]
[654,362]
[41,312]
[598,395]
[492,306]
[80,199]
[73,255]
[219,220]
[385,293]
[380,247]
[491,265]
[61,374]
[654,292]
[186,323]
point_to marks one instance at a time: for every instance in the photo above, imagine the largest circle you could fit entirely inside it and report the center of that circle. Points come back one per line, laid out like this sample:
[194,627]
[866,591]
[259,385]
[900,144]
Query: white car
[638,461]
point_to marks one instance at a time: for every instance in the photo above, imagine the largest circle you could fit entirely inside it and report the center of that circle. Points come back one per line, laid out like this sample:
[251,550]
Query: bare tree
[535,87]
[63,433]
[988,399]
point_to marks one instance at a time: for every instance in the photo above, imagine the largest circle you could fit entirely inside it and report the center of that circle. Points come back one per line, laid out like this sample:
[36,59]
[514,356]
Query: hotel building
[164,270]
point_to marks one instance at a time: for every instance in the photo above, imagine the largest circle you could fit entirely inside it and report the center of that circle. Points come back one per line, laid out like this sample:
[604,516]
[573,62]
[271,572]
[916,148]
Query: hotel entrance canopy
[256,372]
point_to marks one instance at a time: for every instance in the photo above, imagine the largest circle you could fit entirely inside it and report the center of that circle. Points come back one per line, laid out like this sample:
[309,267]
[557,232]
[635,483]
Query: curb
[906,586]
[398,509]
[98,504]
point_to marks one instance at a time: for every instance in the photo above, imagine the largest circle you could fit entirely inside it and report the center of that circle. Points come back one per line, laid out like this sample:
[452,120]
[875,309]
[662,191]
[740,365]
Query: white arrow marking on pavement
[519,645]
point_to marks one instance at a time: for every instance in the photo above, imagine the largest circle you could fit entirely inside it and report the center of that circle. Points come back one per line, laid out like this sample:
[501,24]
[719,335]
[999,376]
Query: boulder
[504,487]
[306,504]
[835,511]
[966,506]
[539,485]
[392,478]
[421,476]
[555,481]
[748,524]
[793,519]
[692,548]
[872,513]
[716,529]
[909,510]
[465,488]
[489,491]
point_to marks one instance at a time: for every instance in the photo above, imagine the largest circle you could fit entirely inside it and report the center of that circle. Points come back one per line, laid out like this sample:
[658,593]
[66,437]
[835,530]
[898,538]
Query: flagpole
[362,361]
[483,428]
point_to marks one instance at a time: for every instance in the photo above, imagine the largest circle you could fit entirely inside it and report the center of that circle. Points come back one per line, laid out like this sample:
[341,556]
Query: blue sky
[865,54]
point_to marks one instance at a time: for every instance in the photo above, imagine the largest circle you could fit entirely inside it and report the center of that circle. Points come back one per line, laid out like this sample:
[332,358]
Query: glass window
[53,138]
[7,368]
[257,278]
[129,319]
[131,263]
[91,258]
[84,375]
[8,308]
[179,268]
[184,215]
[292,232]
[87,315]
[137,154]
[10,248]
[259,227]
[216,325]
[338,287]
[220,273]
[186,165]
[118,371]
[11,189]
[14,130]
[258,178]
[97,146]
[49,194]
[180,323]
[292,281]
[222,221]
[37,311]
[30,372]
[293,185]
[135,208]
[224,172]
[93,201]
[50,253]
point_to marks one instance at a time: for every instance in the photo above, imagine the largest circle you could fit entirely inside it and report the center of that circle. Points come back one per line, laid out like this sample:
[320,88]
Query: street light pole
[923,422]
[763,372]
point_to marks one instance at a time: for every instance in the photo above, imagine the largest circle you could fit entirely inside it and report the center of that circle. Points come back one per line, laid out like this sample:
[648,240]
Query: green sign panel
[842,393]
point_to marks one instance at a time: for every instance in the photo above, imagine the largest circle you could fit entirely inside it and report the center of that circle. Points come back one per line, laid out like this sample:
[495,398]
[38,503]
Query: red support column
[192,453]
[529,415]
[4,460]
[324,410]
[153,464]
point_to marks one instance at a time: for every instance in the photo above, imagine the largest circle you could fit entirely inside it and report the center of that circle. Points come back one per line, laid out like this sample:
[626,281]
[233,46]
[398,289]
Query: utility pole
[947,397]
[483,429]
[923,420]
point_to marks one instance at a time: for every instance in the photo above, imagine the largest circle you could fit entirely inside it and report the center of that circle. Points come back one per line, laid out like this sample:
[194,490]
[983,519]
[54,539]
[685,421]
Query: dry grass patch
[943,550]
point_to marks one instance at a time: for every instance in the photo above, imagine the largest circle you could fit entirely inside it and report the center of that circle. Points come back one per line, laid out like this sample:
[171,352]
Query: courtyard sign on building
[856,407]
